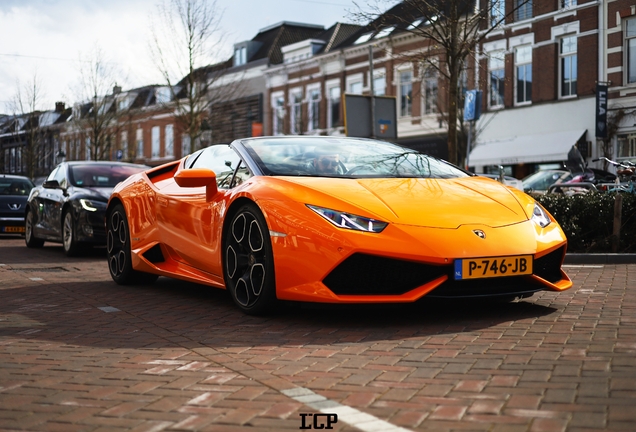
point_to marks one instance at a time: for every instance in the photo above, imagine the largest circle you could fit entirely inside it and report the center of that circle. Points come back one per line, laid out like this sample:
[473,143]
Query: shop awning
[548,147]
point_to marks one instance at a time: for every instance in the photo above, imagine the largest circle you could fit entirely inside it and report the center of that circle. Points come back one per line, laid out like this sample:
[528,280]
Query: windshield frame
[245,148]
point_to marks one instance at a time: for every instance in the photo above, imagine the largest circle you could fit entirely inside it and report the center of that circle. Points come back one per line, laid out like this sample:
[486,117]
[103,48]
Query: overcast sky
[47,36]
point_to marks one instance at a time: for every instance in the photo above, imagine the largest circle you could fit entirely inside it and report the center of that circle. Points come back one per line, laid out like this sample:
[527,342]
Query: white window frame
[186,145]
[155,142]
[330,104]
[567,4]
[401,113]
[525,5]
[87,148]
[295,110]
[124,144]
[562,56]
[494,57]
[168,138]
[497,12]
[313,107]
[630,37]
[379,76]
[354,80]
[277,103]
[139,142]
[522,63]
[430,80]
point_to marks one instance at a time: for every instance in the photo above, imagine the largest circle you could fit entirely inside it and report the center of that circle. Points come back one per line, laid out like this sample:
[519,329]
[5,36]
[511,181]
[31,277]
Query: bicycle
[626,174]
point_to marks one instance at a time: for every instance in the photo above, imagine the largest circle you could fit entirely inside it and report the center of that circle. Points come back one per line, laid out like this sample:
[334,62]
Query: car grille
[363,274]
[548,267]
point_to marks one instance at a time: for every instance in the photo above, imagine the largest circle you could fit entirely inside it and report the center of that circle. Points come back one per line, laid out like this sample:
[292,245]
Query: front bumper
[11,224]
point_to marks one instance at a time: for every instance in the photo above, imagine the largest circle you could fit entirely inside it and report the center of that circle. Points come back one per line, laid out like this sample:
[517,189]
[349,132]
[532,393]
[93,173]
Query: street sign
[119,154]
[601,110]
[472,105]
[357,110]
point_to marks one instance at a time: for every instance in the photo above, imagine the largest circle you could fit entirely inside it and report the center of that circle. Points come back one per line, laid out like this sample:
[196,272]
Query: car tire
[119,252]
[69,239]
[248,261]
[29,236]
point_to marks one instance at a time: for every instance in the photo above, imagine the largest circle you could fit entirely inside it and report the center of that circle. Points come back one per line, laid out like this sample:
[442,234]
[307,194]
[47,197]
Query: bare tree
[452,31]
[184,37]
[96,120]
[25,104]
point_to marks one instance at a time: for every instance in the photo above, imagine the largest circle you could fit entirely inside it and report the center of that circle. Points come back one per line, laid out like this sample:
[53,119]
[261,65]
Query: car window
[53,173]
[241,175]
[101,175]
[222,160]
[15,187]
[60,176]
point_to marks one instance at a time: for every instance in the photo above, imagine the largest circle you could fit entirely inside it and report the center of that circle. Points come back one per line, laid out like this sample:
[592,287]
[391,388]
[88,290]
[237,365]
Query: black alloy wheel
[69,239]
[29,236]
[248,262]
[118,250]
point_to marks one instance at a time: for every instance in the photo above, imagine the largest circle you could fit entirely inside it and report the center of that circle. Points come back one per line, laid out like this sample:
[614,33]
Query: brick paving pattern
[178,356]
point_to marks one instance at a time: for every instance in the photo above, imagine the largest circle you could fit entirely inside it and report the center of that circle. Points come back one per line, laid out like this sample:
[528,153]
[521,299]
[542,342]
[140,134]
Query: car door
[189,221]
[52,202]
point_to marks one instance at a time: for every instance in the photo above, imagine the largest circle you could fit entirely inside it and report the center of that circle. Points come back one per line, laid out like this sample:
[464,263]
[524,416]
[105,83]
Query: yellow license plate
[475,268]
[13,229]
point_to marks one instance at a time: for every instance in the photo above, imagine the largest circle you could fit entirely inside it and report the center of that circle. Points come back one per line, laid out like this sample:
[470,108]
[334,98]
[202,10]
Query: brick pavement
[177,356]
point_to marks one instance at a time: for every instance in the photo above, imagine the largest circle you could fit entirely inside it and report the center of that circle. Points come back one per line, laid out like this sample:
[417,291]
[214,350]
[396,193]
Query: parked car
[508,181]
[69,207]
[14,191]
[333,220]
[540,181]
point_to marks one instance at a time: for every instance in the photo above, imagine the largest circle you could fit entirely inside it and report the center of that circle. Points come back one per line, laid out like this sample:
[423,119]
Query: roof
[279,35]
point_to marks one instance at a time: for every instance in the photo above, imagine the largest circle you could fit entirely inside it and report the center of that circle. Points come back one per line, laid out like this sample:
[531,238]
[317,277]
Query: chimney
[116,89]
[59,107]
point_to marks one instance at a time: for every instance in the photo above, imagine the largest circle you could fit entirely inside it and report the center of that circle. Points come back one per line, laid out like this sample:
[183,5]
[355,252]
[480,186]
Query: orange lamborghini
[330,219]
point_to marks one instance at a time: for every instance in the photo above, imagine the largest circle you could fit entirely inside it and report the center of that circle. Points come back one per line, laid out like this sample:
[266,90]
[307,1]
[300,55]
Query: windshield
[344,157]
[542,180]
[15,187]
[93,175]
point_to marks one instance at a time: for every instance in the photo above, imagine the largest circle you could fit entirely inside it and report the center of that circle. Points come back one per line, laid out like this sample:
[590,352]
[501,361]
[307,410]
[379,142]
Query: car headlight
[89,205]
[349,221]
[540,216]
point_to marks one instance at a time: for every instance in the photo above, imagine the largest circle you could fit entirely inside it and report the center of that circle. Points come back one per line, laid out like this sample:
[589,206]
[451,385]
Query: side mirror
[51,184]
[198,177]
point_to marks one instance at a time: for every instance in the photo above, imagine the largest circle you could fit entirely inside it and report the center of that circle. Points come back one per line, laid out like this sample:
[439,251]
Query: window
[355,87]
[162,95]
[364,38]
[186,145]
[314,110]
[568,66]
[523,69]
[384,32]
[627,146]
[240,56]
[333,116]
[630,42]
[430,90]
[296,113]
[7,160]
[140,143]
[497,12]
[169,141]
[567,4]
[379,85]
[154,140]
[279,115]
[88,148]
[406,93]
[124,144]
[523,9]
[496,79]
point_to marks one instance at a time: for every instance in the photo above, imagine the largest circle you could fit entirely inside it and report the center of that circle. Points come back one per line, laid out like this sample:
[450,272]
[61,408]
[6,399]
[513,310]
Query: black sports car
[14,191]
[69,207]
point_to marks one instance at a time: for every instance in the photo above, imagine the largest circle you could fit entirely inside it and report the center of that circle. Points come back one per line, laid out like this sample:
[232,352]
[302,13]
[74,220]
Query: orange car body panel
[430,221]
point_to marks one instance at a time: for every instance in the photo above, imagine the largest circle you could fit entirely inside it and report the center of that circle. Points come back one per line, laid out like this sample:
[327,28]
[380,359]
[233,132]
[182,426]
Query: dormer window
[415,24]
[364,38]
[240,56]
[384,32]
[162,95]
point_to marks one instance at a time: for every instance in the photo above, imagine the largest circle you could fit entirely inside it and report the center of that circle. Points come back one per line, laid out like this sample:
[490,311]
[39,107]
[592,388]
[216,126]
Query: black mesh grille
[548,267]
[154,254]
[363,274]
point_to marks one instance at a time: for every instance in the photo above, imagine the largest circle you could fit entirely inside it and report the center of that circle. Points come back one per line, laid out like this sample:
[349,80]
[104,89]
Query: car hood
[441,203]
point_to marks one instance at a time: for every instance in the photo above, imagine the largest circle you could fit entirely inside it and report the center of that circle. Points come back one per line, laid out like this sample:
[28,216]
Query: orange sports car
[330,219]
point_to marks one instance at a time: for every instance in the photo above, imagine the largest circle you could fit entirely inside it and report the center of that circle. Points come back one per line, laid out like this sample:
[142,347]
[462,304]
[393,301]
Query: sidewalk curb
[583,258]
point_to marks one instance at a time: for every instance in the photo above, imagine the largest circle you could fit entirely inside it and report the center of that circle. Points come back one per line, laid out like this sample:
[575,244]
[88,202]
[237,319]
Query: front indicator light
[349,221]
[88,205]
[540,216]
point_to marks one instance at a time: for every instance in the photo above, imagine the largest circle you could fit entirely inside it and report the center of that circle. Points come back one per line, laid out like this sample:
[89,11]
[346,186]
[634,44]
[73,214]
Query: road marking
[351,416]
[108,309]
[36,279]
